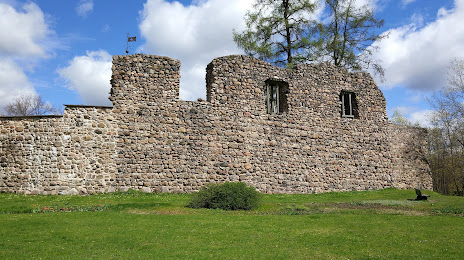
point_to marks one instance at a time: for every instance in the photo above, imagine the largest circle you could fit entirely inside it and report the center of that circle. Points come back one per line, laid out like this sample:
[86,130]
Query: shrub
[227,196]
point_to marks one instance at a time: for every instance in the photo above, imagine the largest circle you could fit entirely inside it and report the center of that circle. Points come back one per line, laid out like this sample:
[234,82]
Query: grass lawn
[345,225]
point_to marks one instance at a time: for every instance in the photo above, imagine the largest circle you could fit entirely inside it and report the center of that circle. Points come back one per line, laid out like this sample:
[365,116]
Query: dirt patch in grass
[158,212]
[404,212]
[388,207]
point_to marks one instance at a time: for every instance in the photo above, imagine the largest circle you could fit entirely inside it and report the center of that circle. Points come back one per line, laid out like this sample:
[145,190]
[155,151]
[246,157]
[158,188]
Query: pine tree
[348,34]
[278,31]
[287,32]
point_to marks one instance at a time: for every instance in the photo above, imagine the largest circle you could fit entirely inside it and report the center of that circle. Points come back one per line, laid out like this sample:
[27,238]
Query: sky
[62,50]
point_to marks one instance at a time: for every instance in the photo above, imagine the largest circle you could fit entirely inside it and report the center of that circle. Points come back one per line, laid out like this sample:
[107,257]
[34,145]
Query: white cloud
[369,3]
[90,76]
[417,58]
[84,8]
[418,20]
[22,31]
[13,81]
[422,117]
[406,2]
[198,33]
[415,115]
[403,110]
[24,40]
[193,34]
[442,12]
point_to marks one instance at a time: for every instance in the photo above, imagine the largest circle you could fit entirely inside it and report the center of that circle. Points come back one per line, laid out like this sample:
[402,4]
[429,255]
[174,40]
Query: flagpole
[130,39]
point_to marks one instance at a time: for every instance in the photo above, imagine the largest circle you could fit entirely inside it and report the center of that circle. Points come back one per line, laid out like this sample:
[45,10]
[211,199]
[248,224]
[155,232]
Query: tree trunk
[288,36]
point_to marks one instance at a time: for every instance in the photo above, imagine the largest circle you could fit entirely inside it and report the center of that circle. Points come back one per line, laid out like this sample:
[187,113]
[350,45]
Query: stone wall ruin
[152,141]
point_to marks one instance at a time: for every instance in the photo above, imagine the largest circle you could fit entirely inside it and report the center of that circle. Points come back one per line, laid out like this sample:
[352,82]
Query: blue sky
[62,49]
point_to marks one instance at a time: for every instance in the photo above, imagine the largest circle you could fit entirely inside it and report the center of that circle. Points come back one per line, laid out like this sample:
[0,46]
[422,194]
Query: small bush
[227,196]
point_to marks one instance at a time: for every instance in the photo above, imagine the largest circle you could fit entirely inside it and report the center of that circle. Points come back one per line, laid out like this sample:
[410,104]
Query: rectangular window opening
[276,97]
[349,104]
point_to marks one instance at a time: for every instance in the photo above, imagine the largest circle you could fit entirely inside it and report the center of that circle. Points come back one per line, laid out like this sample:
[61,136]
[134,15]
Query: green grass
[345,225]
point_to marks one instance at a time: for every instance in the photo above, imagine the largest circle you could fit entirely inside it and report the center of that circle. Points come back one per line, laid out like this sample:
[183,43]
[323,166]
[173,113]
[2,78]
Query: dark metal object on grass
[421,196]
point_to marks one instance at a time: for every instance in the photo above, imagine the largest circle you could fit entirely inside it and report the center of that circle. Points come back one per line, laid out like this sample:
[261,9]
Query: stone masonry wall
[151,140]
[409,157]
[68,154]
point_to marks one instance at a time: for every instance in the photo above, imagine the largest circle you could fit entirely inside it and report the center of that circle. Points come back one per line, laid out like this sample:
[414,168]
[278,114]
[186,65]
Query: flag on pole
[131,39]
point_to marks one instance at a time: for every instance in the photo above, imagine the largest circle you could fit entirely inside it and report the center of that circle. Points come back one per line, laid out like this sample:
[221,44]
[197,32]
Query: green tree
[447,138]
[278,31]
[348,34]
[282,32]
[399,118]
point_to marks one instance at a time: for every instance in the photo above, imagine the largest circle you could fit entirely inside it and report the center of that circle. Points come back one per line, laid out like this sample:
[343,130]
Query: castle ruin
[309,129]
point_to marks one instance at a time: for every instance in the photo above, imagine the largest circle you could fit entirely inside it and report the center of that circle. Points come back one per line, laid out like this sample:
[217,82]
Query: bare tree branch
[30,105]
[446,138]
